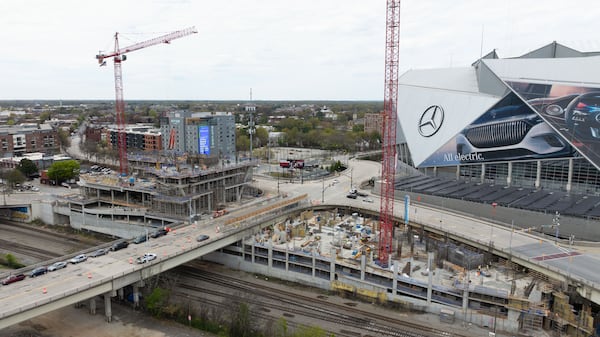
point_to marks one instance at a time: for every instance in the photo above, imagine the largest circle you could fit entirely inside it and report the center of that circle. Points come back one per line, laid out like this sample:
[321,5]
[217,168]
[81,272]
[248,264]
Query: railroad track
[43,234]
[318,308]
[39,253]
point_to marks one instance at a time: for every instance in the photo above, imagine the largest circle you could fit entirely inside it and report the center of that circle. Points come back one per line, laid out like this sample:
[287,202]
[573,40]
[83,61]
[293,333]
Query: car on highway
[140,239]
[145,258]
[13,278]
[99,252]
[351,195]
[57,265]
[79,258]
[38,271]
[369,200]
[119,245]
[202,237]
[158,233]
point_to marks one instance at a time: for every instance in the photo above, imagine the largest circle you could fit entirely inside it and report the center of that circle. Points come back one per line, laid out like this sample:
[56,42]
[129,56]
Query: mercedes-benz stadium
[522,133]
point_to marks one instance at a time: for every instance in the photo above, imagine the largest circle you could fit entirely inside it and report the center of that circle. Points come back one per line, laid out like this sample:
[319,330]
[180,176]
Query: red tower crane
[390,102]
[119,56]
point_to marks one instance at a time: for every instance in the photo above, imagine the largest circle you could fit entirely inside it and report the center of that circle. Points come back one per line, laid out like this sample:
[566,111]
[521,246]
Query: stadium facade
[531,121]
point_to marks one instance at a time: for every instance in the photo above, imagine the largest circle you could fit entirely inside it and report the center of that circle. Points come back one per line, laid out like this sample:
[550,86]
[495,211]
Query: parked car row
[122,244]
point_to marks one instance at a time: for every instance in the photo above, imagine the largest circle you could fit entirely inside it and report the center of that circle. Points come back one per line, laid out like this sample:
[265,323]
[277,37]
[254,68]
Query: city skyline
[314,50]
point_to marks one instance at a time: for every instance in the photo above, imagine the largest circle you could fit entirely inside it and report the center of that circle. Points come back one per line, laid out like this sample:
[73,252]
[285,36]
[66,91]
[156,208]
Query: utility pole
[556,224]
[251,129]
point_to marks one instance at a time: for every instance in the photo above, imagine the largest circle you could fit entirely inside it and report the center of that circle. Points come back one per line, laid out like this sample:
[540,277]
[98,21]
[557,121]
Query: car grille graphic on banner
[510,130]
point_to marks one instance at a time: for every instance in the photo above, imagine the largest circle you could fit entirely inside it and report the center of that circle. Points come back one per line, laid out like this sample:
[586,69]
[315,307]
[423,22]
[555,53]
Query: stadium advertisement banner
[203,140]
[510,130]
[573,111]
[430,118]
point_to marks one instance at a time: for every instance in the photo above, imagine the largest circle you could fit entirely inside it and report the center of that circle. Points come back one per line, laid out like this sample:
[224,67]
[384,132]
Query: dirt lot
[72,322]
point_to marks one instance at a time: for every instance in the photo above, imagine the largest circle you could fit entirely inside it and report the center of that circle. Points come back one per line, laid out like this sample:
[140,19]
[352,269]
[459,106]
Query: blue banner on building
[203,140]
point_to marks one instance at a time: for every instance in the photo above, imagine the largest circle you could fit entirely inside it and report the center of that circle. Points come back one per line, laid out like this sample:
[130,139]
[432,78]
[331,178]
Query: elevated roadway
[107,275]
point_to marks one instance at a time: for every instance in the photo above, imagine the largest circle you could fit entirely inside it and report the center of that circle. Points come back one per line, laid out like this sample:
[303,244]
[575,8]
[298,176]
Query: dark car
[160,232]
[38,271]
[202,237]
[13,279]
[583,117]
[99,252]
[351,195]
[140,239]
[119,245]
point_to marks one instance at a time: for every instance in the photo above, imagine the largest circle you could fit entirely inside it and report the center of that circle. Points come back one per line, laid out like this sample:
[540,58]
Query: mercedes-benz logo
[431,121]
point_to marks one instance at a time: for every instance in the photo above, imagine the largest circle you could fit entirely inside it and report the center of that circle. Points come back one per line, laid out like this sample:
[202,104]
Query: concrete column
[363,266]
[482,173]
[121,294]
[509,175]
[570,176]
[92,306]
[465,304]
[429,276]
[107,307]
[136,296]
[270,254]
[395,279]
[287,258]
[314,263]
[333,254]
[253,242]
[457,172]
[538,174]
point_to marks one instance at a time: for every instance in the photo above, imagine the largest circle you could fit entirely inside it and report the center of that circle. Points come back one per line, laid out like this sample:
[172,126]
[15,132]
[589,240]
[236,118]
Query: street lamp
[556,223]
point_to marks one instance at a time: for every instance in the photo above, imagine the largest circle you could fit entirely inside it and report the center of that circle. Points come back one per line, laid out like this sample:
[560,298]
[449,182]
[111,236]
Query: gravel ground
[75,322]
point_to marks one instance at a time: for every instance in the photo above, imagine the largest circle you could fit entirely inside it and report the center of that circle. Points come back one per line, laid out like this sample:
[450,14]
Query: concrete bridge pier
[121,294]
[92,306]
[332,264]
[107,307]
[136,296]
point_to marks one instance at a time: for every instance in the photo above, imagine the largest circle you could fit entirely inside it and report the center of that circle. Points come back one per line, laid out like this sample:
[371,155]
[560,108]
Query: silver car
[78,258]
[99,252]
[57,266]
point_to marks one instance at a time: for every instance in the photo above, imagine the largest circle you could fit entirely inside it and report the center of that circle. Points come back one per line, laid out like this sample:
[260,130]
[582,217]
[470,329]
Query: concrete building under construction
[157,193]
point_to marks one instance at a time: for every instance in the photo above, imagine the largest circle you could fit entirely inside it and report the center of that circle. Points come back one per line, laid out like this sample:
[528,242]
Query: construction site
[337,250]
[373,257]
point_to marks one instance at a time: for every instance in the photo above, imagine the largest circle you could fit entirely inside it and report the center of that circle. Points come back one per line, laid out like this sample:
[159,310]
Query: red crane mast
[390,102]
[119,56]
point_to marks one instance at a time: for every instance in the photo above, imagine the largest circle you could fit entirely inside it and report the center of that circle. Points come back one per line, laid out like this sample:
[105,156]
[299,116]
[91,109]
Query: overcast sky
[283,50]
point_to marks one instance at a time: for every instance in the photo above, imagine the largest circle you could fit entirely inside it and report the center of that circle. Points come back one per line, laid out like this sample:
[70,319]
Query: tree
[241,322]
[27,167]
[63,170]
[242,142]
[63,138]
[157,300]
[14,177]
[262,135]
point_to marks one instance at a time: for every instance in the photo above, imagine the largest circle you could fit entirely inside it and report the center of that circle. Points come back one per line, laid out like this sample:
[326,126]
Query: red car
[13,279]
